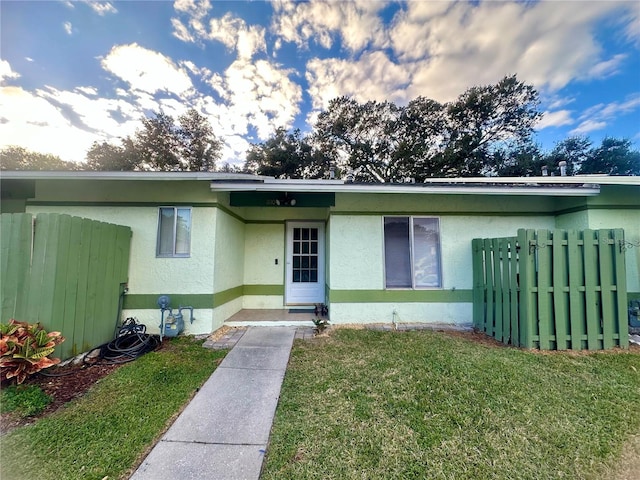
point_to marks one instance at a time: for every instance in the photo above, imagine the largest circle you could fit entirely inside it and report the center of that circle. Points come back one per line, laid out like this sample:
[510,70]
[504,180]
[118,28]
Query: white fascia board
[146,176]
[596,179]
[579,191]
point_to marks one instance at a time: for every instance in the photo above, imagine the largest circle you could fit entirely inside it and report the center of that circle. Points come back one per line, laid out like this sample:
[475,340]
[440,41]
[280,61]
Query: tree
[485,118]
[382,142]
[286,155]
[161,145]
[573,150]
[157,145]
[358,137]
[107,157]
[199,147]
[519,160]
[614,156]
[19,158]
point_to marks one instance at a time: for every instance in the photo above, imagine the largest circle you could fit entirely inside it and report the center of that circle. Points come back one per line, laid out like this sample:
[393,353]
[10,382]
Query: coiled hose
[131,342]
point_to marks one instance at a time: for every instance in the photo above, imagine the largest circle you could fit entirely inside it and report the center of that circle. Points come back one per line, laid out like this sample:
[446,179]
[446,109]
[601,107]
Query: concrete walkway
[223,432]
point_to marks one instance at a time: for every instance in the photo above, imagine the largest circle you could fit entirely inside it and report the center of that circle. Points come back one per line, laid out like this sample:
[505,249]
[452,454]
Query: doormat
[302,310]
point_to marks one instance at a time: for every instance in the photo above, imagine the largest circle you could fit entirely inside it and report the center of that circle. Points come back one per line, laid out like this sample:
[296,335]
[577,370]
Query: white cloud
[93,91]
[458,45]
[632,19]
[599,116]
[233,32]
[373,77]
[6,72]
[36,124]
[558,118]
[588,126]
[68,28]
[357,24]
[146,70]
[230,30]
[607,68]
[101,8]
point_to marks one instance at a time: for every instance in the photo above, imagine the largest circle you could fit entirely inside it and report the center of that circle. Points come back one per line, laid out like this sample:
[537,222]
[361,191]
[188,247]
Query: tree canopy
[383,142]
[161,145]
[19,158]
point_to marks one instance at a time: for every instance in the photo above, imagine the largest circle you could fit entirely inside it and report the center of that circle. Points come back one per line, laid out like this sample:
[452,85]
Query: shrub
[321,324]
[24,349]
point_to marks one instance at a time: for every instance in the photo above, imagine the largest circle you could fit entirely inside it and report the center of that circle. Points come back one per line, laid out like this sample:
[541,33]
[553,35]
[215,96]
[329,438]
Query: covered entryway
[304,269]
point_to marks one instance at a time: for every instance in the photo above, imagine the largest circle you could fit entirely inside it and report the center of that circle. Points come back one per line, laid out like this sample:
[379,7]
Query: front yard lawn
[107,432]
[386,405]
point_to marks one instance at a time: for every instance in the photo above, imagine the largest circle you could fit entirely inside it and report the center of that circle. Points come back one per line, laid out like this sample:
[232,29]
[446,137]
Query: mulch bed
[68,383]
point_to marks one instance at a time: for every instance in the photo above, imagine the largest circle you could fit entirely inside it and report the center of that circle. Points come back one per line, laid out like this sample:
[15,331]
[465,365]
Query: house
[371,252]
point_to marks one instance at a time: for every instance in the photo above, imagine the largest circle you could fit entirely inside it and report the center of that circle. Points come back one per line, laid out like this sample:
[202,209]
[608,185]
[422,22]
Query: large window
[174,232]
[412,252]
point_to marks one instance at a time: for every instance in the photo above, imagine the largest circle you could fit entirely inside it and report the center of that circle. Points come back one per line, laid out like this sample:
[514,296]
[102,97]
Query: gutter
[560,191]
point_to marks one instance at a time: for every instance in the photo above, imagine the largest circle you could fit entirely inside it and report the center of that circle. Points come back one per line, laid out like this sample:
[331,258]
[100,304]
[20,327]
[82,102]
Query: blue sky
[76,72]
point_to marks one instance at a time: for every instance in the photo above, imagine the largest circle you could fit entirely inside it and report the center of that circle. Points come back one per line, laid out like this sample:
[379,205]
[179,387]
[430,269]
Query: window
[305,255]
[412,252]
[174,232]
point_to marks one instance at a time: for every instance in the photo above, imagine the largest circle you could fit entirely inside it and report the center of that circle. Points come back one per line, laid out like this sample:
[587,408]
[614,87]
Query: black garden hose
[130,343]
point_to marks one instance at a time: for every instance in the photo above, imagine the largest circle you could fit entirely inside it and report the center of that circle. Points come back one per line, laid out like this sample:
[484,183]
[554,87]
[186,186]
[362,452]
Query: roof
[579,185]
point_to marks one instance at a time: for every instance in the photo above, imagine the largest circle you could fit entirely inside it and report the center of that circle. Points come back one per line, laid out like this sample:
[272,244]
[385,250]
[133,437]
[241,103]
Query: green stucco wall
[233,249]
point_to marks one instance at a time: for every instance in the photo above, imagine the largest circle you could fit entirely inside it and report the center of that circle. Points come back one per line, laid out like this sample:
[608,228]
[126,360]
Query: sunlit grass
[104,433]
[386,405]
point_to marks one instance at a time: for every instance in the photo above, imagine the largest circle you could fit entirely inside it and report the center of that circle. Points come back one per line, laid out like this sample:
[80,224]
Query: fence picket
[497,278]
[514,289]
[605,266]
[592,300]
[478,284]
[545,316]
[72,282]
[490,318]
[576,297]
[506,304]
[621,324]
[560,283]
[552,290]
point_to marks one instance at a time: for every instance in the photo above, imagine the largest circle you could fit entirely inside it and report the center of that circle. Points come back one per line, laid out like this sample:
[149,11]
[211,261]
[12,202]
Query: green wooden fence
[552,289]
[66,273]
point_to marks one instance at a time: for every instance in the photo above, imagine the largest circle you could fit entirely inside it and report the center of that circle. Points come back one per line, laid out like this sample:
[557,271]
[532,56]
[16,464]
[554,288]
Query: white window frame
[173,254]
[411,254]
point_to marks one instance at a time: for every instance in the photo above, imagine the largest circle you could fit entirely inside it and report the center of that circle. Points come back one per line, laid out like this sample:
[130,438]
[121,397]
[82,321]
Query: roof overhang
[579,185]
[467,186]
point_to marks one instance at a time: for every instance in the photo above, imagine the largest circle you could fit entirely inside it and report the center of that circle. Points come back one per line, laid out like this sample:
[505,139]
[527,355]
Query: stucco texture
[148,274]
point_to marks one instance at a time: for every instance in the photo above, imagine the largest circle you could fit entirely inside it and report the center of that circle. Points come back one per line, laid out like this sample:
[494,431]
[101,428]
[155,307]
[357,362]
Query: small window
[412,252]
[174,232]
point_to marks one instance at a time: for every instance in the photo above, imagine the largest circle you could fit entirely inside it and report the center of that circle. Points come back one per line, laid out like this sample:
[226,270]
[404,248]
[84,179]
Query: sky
[75,72]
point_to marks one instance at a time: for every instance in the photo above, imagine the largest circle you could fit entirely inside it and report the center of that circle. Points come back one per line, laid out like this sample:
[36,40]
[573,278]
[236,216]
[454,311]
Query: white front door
[304,275]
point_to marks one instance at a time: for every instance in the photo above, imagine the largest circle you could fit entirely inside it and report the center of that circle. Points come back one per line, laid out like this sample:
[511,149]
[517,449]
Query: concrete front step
[271,318]
[268,323]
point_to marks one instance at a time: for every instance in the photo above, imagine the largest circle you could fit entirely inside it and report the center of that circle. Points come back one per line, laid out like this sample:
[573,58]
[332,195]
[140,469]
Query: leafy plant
[25,348]
[27,401]
[321,324]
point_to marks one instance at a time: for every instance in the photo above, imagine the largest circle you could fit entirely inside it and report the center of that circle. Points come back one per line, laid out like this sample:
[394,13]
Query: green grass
[24,400]
[104,433]
[386,405]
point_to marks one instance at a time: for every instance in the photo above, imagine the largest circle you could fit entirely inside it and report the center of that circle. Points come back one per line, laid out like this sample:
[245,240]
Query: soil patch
[62,384]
